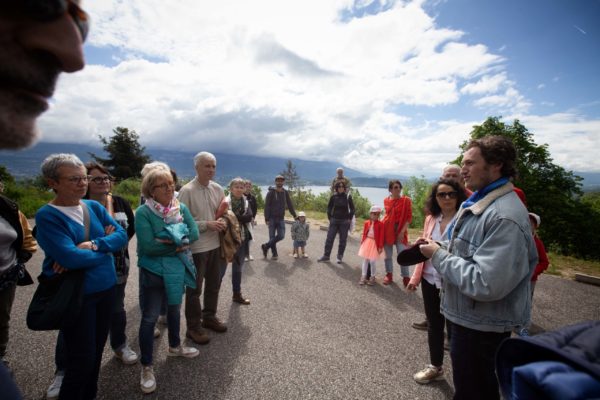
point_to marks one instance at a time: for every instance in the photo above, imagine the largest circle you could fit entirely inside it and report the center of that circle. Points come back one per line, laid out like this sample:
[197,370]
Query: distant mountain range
[261,170]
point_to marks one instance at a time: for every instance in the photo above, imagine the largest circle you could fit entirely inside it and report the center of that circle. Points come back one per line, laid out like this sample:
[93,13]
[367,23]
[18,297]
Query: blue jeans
[389,261]
[276,234]
[236,268]
[84,344]
[473,369]
[154,292]
[337,226]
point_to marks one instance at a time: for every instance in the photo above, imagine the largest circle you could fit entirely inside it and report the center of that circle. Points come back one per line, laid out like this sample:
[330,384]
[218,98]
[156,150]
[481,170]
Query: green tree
[292,179]
[5,177]
[551,191]
[417,189]
[126,156]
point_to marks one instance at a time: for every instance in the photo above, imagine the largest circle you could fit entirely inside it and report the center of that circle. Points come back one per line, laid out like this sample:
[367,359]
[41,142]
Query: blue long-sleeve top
[58,235]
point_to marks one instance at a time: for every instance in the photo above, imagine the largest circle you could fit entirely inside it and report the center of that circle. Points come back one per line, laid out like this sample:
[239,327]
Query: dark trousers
[84,344]
[473,369]
[435,327]
[236,267]
[7,297]
[276,234]
[154,296]
[209,267]
[337,226]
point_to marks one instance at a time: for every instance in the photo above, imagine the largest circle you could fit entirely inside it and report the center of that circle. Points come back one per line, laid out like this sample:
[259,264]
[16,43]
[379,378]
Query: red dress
[398,212]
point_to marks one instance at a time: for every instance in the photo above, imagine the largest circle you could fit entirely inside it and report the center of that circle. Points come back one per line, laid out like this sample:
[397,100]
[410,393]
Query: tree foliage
[417,189]
[126,156]
[552,192]
[292,180]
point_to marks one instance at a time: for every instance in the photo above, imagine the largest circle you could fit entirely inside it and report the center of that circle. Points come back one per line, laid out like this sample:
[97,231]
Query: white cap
[536,218]
[375,209]
[301,214]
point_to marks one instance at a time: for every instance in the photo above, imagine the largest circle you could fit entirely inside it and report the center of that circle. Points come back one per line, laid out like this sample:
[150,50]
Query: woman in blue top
[165,228]
[61,234]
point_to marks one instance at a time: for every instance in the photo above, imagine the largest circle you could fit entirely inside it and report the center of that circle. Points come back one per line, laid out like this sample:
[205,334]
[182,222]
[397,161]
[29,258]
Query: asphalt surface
[310,333]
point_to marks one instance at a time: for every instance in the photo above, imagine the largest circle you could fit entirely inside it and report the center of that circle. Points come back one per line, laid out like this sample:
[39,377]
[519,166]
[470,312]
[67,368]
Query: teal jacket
[176,269]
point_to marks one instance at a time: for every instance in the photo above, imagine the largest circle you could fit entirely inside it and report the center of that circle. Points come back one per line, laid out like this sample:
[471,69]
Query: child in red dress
[371,245]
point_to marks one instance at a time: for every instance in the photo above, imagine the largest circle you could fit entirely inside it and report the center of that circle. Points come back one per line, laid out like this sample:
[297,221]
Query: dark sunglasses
[49,10]
[446,195]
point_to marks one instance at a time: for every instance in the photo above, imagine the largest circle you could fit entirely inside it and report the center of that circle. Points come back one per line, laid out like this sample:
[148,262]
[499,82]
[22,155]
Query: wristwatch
[94,245]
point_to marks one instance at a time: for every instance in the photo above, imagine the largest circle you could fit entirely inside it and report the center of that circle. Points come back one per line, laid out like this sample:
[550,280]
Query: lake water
[373,194]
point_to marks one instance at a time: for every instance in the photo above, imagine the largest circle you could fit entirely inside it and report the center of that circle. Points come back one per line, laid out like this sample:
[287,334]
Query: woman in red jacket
[371,245]
[398,214]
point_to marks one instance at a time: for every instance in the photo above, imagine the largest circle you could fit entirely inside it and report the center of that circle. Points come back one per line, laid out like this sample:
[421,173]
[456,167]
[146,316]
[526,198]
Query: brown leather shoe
[238,298]
[198,336]
[214,325]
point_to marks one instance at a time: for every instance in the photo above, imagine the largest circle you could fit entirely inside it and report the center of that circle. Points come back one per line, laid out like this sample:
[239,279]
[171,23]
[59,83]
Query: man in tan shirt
[202,196]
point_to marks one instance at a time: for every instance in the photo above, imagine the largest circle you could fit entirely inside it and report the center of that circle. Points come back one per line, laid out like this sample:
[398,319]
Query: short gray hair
[154,164]
[153,175]
[53,162]
[237,181]
[202,156]
[451,166]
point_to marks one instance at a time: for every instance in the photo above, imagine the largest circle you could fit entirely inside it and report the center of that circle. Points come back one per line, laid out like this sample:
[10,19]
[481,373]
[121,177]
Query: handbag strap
[86,221]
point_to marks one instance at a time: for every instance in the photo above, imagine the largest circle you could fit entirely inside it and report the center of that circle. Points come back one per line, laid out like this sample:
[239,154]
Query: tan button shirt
[203,202]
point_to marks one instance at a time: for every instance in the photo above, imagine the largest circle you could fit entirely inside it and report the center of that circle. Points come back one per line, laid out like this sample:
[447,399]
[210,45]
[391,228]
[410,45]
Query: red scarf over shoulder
[398,212]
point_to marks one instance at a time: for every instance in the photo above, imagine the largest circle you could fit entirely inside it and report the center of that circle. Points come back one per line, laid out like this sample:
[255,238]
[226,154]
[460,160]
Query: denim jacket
[486,266]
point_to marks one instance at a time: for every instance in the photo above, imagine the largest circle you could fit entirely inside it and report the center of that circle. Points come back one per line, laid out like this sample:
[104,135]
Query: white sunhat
[375,209]
[536,218]
[301,214]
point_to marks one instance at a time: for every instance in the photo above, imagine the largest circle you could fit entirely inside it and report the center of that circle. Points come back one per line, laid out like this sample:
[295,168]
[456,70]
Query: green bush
[130,190]
[29,197]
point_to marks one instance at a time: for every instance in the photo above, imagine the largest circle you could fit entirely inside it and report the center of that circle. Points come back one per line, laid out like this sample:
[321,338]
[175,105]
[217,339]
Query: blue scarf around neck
[480,194]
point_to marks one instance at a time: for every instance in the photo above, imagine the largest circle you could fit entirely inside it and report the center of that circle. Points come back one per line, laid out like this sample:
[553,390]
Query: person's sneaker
[405,281]
[54,389]
[339,259]
[147,379]
[363,280]
[429,374]
[214,325]
[422,326]
[295,255]
[197,336]
[371,281]
[250,258]
[126,355]
[183,351]
[304,255]
[388,278]
[156,332]
[274,257]
[323,259]
[162,319]
[265,250]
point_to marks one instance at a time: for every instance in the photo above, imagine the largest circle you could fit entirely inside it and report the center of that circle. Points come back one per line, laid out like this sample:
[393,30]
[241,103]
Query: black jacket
[340,206]
[275,204]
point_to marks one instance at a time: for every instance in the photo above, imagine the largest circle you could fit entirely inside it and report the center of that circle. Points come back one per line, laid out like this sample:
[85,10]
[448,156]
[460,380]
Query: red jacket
[543,262]
[398,212]
[377,230]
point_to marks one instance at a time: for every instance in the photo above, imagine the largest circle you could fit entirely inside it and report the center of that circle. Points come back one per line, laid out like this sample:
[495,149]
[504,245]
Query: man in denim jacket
[486,266]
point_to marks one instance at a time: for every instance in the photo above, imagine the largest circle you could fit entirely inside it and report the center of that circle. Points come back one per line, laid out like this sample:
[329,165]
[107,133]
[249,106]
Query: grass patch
[567,266]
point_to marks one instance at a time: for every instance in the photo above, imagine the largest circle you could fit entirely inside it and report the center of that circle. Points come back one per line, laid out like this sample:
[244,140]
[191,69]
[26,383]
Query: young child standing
[300,234]
[371,245]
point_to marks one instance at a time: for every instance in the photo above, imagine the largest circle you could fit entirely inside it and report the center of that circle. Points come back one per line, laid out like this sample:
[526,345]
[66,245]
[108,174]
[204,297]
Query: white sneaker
[251,258]
[126,355]
[295,255]
[429,374]
[147,379]
[54,389]
[183,351]
[304,255]
[162,319]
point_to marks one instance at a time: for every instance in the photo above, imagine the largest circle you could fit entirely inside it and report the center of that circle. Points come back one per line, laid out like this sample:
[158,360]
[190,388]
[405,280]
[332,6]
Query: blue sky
[380,86]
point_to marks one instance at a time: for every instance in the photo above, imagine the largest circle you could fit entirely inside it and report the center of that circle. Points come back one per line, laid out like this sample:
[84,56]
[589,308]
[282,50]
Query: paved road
[310,333]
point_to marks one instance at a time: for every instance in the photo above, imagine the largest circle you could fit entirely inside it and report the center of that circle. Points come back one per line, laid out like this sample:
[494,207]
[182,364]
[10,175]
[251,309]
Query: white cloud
[287,79]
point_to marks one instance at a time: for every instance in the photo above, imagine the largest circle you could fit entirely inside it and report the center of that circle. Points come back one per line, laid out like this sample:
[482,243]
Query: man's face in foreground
[38,40]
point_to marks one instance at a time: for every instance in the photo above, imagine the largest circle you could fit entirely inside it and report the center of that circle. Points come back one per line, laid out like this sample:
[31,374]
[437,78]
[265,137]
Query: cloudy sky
[380,86]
